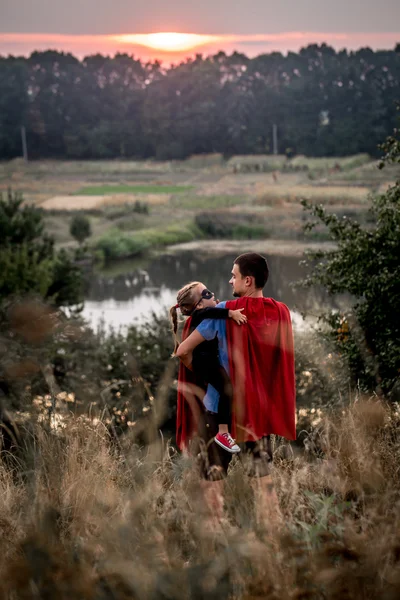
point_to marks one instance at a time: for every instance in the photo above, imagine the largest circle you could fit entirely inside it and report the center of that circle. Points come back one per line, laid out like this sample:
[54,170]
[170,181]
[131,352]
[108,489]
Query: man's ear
[248,281]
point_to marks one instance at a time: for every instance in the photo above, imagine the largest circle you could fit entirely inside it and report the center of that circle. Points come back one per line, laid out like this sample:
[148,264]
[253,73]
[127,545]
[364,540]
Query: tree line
[323,102]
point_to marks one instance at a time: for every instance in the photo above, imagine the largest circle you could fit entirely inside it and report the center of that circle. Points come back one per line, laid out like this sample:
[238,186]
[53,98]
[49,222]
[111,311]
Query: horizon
[170,47]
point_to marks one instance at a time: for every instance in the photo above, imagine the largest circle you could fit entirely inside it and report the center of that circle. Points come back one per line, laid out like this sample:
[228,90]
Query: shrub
[80,228]
[226,225]
[116,244]
[28,260]
[366,265]
[141,207]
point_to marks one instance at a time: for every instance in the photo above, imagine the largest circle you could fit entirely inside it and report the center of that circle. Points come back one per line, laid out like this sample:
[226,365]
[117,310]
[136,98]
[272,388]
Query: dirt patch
[92,202]
[73,203]
[273,247]
[247,185]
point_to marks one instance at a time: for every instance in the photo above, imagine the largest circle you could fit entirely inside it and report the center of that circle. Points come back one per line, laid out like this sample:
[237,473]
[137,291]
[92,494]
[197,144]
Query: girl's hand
[237,316]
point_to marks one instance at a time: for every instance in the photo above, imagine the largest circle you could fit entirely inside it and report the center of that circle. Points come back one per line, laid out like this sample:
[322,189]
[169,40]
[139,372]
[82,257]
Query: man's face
[238,282]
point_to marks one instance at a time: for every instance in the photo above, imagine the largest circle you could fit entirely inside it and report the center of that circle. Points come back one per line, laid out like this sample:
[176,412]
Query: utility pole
[274,139]
[24,144]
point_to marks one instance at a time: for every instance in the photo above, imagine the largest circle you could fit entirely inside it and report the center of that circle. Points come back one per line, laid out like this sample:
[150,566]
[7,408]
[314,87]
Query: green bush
[80,228]
[114,212]
[24,271]
[366,265]
[226,225]
[141,207]
[116,244]
[29,263]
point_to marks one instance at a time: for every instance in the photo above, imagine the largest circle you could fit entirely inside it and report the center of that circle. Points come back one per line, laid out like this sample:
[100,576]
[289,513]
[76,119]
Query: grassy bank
[117,244]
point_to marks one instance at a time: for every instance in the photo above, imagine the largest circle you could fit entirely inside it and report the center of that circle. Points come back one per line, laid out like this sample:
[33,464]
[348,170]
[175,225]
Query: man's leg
[259,463]
[213,495]
[267,504]
[213,463]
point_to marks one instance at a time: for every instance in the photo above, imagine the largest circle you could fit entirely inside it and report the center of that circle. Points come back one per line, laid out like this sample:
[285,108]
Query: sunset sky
[253,27]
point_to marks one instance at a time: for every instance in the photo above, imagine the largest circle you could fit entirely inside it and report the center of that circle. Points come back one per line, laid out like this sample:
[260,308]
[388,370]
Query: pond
[127,293]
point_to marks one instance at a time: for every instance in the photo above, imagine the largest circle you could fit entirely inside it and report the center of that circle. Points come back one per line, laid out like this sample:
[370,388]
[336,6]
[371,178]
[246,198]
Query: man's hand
[185,350]
[237,316]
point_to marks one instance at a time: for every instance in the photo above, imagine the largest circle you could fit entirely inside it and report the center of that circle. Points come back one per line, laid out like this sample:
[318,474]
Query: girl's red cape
[190,405]
[261,360]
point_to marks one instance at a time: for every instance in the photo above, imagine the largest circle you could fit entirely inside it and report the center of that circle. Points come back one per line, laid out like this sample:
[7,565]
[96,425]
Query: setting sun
[167,41]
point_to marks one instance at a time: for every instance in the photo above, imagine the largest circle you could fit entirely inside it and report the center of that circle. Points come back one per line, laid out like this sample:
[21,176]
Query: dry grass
[205,161]
[84,167]
[80,519]
[277,195]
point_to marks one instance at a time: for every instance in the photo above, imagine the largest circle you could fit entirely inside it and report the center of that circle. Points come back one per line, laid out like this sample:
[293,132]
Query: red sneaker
[227,442]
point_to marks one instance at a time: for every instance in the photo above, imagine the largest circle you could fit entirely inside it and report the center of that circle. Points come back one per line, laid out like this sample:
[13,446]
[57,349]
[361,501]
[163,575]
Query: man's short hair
[254,265]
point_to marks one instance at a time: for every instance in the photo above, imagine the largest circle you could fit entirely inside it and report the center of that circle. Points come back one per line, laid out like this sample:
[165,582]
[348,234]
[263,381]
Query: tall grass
[81,517]
[328,195]
[345,163]
[198,202]
[205,161]
[260,162]
[270,162]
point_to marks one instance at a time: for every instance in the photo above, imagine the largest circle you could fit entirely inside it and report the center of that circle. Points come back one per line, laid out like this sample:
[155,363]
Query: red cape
[261,360]
[190,396]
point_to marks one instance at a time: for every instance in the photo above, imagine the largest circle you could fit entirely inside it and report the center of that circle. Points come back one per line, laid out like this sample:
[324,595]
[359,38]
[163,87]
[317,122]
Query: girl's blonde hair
[186,300]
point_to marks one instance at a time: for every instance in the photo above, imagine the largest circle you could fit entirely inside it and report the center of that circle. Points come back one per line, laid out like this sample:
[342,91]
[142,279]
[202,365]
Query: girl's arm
[219,313]
[185,350]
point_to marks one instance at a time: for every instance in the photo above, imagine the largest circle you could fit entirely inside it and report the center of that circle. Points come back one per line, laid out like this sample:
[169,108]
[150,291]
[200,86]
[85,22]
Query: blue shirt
[209,328]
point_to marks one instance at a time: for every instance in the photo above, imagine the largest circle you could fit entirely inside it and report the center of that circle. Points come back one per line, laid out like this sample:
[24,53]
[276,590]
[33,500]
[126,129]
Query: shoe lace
[229,439]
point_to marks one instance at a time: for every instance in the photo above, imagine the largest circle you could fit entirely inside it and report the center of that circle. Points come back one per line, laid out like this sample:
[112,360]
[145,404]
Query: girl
[196,301]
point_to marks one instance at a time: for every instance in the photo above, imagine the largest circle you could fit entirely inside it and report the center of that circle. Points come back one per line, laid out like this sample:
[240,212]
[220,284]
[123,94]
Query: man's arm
[185,349]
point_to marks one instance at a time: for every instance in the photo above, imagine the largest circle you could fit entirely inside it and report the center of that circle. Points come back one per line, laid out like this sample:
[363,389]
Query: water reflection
[131,292]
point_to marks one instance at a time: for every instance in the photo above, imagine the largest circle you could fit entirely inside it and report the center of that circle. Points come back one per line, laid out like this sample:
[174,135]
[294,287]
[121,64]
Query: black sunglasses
[206,295]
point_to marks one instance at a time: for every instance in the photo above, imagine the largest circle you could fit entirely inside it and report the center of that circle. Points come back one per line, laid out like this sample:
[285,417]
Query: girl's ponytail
[173,317]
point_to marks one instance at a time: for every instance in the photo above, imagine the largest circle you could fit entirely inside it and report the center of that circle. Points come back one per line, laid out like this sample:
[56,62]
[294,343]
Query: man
[260,360]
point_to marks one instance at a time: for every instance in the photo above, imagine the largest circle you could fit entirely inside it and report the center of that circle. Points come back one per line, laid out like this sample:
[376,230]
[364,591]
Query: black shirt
[208,349]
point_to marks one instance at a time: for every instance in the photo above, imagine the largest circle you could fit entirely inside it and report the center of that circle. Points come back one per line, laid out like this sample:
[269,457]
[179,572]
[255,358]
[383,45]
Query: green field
[103,190]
